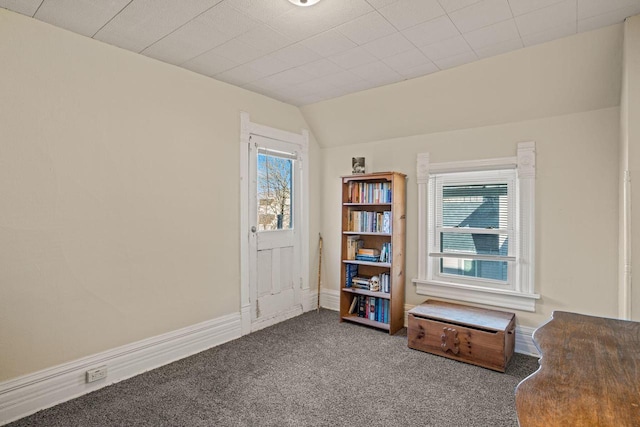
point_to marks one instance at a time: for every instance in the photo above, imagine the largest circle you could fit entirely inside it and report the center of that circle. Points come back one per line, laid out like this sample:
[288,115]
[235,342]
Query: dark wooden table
[589,374]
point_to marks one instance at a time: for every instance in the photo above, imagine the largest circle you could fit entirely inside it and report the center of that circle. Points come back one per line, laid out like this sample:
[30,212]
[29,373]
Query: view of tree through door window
[274,191]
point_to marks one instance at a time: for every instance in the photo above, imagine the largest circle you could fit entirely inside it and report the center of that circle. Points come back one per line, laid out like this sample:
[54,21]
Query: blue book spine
[351,270]
[367,258]
[386,312]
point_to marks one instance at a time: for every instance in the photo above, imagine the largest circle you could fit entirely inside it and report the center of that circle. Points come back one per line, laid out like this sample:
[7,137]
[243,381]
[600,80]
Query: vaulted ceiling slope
[302,55]
[570,75]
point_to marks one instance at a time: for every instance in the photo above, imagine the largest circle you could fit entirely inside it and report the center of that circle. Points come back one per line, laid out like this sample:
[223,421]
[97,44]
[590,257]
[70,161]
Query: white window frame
[520,293]
[436,184]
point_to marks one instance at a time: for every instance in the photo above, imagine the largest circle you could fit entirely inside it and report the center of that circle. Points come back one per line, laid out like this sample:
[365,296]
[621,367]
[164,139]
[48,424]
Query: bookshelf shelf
[373,225]
[371,263]
[383,295]
[362,320]
[351,233]
[367,204]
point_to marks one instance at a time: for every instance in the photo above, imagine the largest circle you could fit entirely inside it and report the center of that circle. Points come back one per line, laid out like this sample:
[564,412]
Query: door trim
[248,128]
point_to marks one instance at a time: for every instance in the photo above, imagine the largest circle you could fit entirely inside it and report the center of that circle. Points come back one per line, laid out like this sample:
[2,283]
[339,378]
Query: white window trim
[523,296]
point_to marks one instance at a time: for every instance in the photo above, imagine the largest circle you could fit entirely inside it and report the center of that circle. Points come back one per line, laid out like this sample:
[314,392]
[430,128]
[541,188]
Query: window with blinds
[473,226]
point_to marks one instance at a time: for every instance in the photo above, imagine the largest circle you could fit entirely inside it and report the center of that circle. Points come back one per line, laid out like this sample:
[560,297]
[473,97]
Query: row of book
[385,283]
[385,252]
[370,222]
[371,308]
[369,192]
[354,244]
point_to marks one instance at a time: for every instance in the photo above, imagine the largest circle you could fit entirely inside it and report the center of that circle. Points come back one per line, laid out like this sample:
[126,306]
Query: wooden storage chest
[469,334]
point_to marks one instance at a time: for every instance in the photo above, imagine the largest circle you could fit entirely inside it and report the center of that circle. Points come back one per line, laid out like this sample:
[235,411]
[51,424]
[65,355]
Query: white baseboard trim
[524,341]
[309,302]
[330,299]
[28,394]
[312,300]
[245,313]
[277,318]
[309,299]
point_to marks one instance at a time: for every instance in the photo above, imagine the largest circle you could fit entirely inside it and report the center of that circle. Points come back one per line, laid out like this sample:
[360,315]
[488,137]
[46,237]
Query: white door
[275,221]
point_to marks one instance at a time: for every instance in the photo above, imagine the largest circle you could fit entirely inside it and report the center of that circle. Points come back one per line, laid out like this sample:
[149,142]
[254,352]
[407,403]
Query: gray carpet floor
[307,371]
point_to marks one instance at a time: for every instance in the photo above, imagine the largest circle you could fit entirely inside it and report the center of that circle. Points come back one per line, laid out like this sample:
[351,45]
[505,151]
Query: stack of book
[366,254]
[365,282]
[361,282]
[371,308]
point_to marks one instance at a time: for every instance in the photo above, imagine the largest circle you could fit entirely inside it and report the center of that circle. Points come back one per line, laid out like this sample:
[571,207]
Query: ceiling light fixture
[304,2]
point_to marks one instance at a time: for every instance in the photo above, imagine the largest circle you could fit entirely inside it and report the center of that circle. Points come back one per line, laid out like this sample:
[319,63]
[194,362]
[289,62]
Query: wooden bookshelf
[365,199]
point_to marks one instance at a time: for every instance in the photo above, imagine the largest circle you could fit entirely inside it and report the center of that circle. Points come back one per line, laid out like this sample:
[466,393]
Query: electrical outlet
[96,374]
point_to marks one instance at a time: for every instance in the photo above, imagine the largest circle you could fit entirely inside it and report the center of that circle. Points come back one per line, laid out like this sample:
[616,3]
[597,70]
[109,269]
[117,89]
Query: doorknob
[253,228]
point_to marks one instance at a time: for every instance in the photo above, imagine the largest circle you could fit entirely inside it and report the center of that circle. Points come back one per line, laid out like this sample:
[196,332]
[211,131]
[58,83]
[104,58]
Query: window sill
[479,295]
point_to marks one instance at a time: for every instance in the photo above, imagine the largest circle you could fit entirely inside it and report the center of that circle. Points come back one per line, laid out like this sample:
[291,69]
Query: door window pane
[275,187]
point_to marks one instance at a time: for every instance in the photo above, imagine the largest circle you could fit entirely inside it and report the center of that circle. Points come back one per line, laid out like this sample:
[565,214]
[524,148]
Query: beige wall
[576,202]
[630,154]
[119,183]
[564,95]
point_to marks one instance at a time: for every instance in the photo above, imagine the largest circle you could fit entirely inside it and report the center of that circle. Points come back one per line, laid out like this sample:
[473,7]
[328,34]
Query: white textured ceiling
[302,55]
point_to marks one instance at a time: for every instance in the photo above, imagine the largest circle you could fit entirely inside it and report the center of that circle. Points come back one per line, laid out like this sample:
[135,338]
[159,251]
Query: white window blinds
[473,225]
